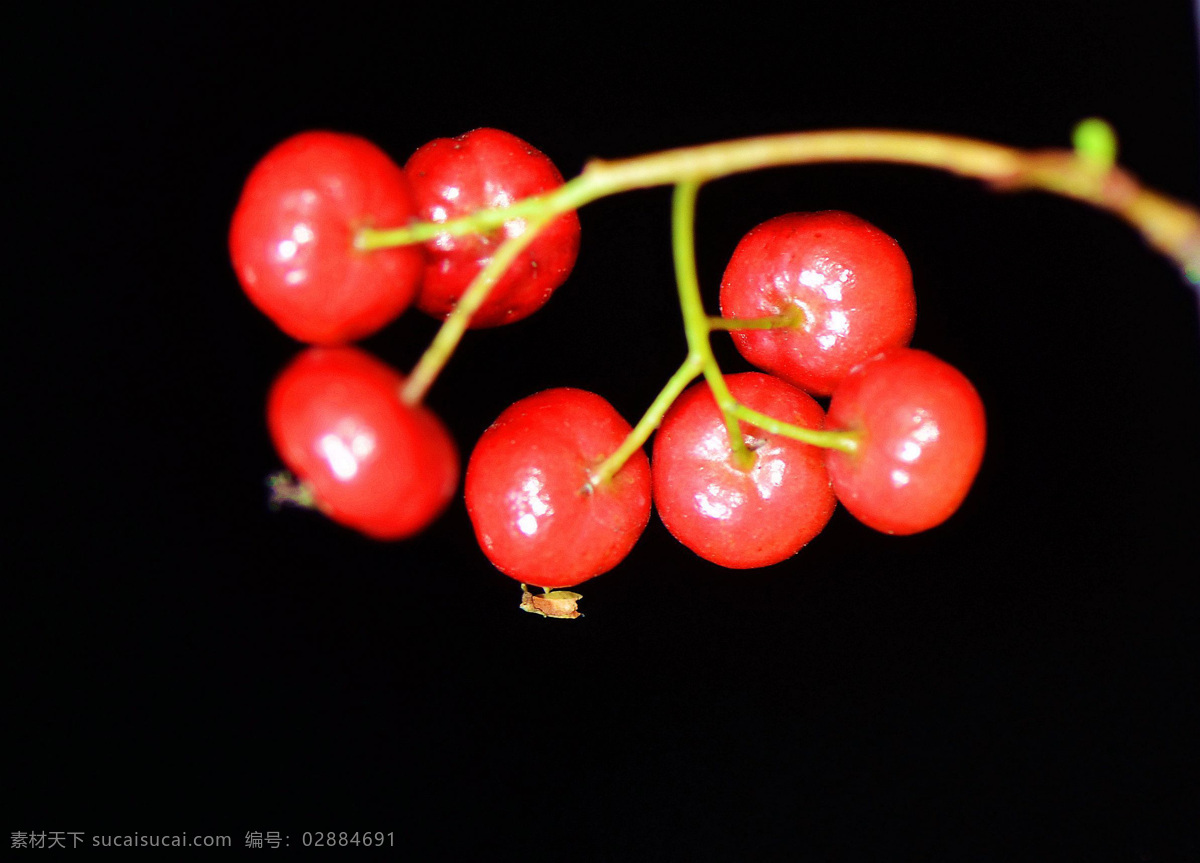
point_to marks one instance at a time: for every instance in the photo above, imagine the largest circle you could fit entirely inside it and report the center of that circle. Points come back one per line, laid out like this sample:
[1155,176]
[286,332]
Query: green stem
[438,353]
[1170,226]
[793,318]
[570,196]
[695,320]
[698,326]
[650,420]
[846,441]
[709,161]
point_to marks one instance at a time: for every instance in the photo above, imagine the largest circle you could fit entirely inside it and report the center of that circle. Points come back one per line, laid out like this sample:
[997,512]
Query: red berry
[527,490]
[292,238]
[484,169]
[850,280]
[922,438]
[374,464]
[730,515]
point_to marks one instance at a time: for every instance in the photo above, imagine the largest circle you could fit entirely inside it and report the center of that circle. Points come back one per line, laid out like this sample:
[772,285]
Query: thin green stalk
[695,320]
[846,441]
[1085,174]
[650,420]
[1168,225]
[793,318]
[570,196]
[451,332]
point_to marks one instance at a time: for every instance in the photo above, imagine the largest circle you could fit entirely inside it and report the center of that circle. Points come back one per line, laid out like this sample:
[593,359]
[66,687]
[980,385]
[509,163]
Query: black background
[1020,683]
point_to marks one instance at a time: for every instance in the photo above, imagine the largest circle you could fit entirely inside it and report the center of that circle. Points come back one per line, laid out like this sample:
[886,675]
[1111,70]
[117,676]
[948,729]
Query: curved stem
[695,320]
[698,326]
[1085,174]
[1168,225]
[846,441]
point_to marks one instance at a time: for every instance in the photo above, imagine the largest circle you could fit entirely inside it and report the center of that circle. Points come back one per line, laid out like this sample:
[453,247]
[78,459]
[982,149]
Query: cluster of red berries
[908,429]
[294,230]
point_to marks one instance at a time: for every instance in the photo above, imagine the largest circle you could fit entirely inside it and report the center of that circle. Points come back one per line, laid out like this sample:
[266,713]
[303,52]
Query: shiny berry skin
[374,464]
[729,515]
[484,169]
[292,238]
[922,438]
[527,490]
[850,279]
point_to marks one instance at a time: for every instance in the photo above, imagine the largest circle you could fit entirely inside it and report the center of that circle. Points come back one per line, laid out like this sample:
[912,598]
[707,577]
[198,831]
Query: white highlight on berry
[341,461]
[527,524]
[812,279]
[287,249]
[345,448]
[531,500]
[711,506]
[773,470]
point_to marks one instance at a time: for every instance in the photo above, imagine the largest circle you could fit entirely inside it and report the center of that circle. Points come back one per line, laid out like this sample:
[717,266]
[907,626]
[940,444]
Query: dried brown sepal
[285,489]
[553,603]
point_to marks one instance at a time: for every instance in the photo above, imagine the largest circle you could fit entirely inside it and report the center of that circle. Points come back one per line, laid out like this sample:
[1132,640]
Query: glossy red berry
[922,433]
[484,169]
[728,514]
[849,280]
[373,463]
[292,238]
[535,515]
